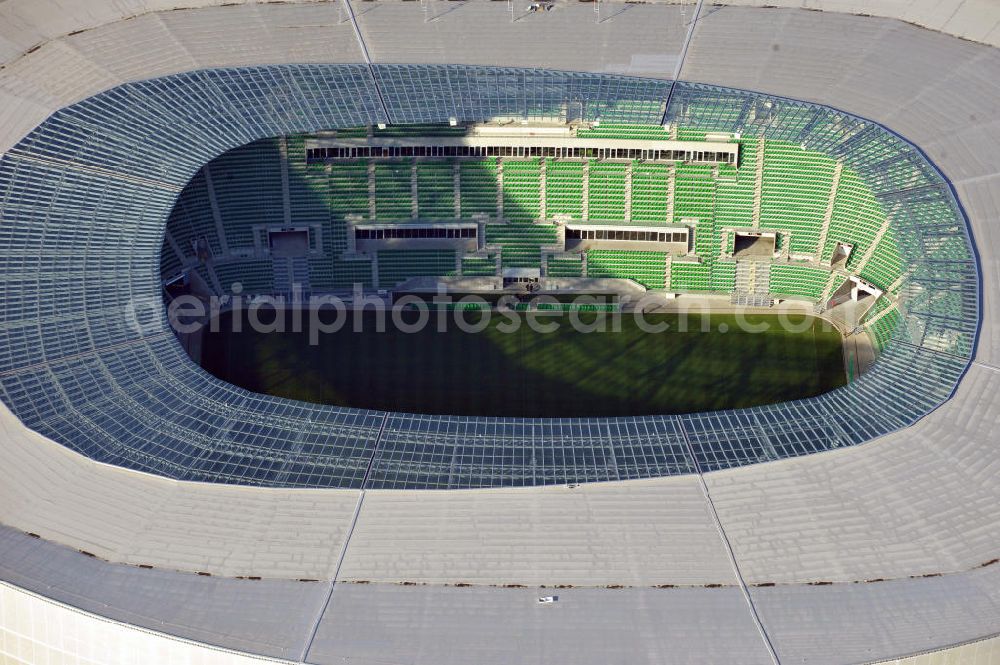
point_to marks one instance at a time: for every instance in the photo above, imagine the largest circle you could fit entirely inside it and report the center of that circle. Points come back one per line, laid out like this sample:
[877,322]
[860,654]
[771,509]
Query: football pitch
[608,372]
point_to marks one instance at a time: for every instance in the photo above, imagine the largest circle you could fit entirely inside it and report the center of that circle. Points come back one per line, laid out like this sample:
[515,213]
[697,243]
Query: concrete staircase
[300,272]
[828,215]
[872,247]
[286,197]
[671,188]
[888,310]
[758,184]
[289,272]
[753,284]
[214,205]
[371,190]
[542,181]
[762,279]
[831,281]
[499,189]
[282,269]
[628,192]
[213,277]
[414,198]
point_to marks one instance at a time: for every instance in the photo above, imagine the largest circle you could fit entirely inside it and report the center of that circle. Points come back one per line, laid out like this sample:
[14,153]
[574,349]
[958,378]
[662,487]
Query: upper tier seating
[795,193]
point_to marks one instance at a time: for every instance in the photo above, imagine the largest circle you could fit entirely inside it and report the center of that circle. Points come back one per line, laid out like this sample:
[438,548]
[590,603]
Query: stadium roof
[915,508]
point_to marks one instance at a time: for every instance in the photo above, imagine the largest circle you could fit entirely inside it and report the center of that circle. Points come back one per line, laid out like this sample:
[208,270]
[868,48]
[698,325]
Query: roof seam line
[729,551]
[680,59]
[368,60]
[347,540]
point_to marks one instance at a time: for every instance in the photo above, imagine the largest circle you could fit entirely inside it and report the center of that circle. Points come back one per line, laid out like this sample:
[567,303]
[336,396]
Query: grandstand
[150,512]
[809,202]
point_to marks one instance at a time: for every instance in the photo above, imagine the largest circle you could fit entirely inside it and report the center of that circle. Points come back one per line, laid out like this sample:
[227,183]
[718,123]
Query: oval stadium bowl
[743,156]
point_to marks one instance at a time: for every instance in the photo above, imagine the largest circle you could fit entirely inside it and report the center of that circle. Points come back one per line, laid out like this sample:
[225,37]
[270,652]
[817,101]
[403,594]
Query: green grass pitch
[527,373]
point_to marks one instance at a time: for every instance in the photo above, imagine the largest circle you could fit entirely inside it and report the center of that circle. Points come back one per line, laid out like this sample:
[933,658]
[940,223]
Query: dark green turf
[526,373]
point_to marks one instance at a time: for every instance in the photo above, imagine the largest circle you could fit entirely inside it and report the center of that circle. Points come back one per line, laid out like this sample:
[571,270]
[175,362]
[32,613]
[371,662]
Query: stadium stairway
[870,252]
[213,278]
[282,275]
[628,191]
[828,215]
[758,184]
[671,189]
[300,273]
[752,284]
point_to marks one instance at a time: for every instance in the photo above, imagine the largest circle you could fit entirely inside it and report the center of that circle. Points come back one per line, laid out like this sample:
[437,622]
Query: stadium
[837,158]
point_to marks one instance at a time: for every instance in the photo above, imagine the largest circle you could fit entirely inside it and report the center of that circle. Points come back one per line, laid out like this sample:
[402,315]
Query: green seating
[690,134]
[435,190]
[395,266]
[646,268]
[607,191]
[722,276]
[649,193]
[393,191]
[522,190]
[857,218]
[479,266]
[416,129]
[884,267]
[247,183]
[795,192]
[348,189]
[620,131]
[564,189]
[192,218]
[521,243]
[565,266]
[881,331]
[478,187]
[256,276]
[690,276]
[694,198]
[798,280]
[734,190]
[352,133]
[327,273]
